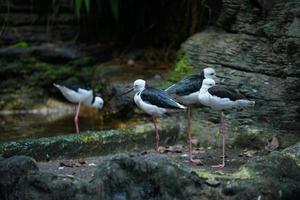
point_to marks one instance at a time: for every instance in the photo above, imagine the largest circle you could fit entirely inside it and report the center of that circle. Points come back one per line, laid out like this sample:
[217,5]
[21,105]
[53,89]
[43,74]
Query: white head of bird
[139,85]
[207,83]
[209,73]
[98,103]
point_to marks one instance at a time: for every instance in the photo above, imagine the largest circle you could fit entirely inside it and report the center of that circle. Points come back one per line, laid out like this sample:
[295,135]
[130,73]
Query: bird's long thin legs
[189,127]
[223,133]
[156,131]
[77,109]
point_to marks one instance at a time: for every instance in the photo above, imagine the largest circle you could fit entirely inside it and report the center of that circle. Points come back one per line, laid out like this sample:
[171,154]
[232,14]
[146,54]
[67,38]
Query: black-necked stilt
[80,94]
[220,98]
[154,102]
[186,92]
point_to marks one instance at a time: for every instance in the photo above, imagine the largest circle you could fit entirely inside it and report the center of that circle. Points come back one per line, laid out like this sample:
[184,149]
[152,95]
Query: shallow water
[20,126]
[54,120]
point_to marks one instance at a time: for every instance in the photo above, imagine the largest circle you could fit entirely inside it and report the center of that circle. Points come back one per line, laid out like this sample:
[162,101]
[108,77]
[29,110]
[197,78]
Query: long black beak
[126,92]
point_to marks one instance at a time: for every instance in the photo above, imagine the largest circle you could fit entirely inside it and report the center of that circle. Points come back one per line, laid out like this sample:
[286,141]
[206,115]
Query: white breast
[223,103]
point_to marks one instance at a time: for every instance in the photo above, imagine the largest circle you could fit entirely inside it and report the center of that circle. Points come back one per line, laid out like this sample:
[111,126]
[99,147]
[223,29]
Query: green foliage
[77,7]
[246,140]
[46,74]
[78,4]
[114,4]
[21,44]
[182,68]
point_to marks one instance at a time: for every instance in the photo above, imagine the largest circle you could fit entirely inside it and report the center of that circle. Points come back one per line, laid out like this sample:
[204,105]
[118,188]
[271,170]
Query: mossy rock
[293,152]
[181,69]
[91,143]
[275,176]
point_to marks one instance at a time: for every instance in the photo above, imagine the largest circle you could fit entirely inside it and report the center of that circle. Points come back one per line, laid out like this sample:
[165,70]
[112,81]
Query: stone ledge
[91,143]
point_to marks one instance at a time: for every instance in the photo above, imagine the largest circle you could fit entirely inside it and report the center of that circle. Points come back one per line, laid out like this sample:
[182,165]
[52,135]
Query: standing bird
[154,102]
[220,98]
[79,94]
[186,92]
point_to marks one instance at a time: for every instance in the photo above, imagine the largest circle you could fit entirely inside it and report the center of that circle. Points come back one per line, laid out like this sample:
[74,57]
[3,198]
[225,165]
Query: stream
[48,120]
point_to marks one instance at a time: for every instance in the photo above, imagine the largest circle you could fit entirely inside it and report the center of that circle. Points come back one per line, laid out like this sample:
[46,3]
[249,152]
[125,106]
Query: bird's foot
[220,166]
[196,161]
[160,149]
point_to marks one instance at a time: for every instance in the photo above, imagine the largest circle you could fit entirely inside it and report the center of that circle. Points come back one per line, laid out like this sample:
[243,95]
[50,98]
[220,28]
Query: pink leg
[194,161]
[156,131]
[222,132]
[76,117]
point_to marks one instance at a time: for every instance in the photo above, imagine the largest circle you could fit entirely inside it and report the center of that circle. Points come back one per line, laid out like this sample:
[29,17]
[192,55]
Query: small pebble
[212,182]
[185,155]
[92,164]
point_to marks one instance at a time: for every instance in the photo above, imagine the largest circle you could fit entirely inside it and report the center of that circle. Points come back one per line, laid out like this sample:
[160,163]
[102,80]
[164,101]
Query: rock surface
[146,177]
[48,53]
[256,50]
[153,176]
[91,143]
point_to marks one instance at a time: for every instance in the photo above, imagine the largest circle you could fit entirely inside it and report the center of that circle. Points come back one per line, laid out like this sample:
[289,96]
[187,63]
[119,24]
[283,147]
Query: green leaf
[87,4]
[114,4]
[77,7]
[22,44]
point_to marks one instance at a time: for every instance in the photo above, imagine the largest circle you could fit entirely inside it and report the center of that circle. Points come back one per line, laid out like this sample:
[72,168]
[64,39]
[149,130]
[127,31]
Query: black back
[159,98]
[75,87]
[186,86]
[225,93]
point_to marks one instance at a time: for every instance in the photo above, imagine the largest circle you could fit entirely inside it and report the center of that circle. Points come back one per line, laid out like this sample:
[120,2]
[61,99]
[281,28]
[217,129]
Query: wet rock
[17,165]
[22,180]
[293,152]
[11,170]
[154,176]
[121,104]
[146,177]
[257,54]
[273,176]
[49,53]
[92,143]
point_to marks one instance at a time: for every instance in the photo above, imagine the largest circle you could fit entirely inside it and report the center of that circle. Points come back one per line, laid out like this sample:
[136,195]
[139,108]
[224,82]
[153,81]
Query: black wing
[225,93]
[159,98]
[186,86]
[75,87]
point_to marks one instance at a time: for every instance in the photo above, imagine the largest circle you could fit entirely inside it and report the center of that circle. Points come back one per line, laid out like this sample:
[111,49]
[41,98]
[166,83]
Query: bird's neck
[203,90]
[89,101]
[139,90]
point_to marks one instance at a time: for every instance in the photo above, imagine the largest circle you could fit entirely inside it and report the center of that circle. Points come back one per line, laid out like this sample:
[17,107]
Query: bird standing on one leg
[220,98]
[154,102]
[80,95]
[186,92]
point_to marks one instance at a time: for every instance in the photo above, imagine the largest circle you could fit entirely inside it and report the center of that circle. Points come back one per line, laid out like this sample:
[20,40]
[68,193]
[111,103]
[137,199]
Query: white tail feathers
[242,103]
[182,107]
[56,85]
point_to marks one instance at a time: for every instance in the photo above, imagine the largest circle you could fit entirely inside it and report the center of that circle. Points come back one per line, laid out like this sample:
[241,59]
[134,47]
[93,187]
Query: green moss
[293,152]
[248,140]
[46,74]
[21,44]
[243,173]
[89,143]
[89,138]
[181,68]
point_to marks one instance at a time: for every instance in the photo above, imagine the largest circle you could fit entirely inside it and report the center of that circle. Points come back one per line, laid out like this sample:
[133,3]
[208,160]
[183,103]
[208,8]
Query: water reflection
[18,126]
